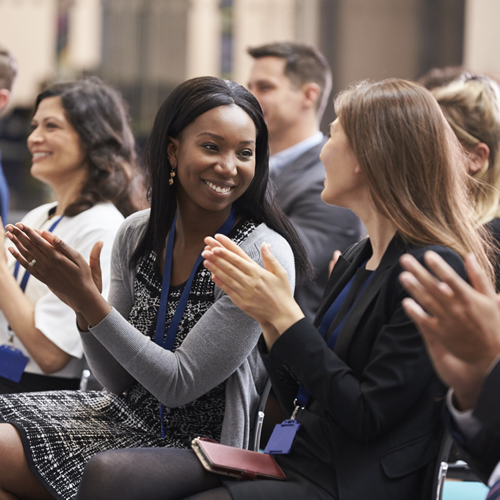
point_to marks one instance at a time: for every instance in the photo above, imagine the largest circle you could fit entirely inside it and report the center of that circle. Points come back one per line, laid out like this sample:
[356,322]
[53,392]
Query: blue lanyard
[27,275]
[303,394]
[168,341]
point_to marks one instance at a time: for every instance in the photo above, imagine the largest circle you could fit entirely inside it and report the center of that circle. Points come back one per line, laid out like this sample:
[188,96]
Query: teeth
[40,155]
[219,189]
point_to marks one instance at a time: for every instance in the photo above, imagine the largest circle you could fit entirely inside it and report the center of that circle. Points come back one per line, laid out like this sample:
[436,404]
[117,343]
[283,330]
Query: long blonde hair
[471,105]
[414,165]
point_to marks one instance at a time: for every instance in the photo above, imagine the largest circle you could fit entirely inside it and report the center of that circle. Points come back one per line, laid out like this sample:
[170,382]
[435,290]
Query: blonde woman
[471,105]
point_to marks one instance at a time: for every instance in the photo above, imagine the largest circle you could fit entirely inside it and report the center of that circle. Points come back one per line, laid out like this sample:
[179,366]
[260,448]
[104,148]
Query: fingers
[73,255]
[271,263]
[227,243]
[478,277]
[27,241]
[447,275]
[424,289]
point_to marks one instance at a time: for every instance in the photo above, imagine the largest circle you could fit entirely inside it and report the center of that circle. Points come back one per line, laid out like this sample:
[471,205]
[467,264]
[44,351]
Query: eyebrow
[222,138]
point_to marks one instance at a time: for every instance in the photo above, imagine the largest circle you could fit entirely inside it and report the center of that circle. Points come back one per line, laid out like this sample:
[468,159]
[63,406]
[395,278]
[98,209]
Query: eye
[246,153]
[50,125]
[210,146]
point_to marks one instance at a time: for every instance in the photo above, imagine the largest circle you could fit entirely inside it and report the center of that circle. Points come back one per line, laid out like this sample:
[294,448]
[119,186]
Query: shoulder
[100,215]
[447,254]
[263,234]
[133,228]
[38,214]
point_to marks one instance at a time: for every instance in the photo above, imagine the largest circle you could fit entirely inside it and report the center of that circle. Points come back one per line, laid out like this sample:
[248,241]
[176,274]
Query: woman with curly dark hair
[82,147]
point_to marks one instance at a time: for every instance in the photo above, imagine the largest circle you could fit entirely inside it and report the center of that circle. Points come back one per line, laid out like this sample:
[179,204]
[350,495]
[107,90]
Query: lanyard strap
[26,276]
[168,341]
[303,394]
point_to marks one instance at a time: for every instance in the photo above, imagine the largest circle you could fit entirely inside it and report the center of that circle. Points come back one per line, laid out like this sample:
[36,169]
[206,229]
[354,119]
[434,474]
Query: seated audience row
[177,346]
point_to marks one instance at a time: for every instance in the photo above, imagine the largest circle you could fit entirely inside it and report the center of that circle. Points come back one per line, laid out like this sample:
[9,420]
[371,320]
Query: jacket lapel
[341,274]
[395,249]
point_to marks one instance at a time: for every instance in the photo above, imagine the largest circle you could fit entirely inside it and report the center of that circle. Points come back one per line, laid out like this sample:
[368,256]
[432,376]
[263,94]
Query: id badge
[281,440]
[12,363]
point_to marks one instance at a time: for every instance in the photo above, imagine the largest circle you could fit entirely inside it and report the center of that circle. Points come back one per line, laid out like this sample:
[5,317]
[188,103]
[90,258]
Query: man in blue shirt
[8,73]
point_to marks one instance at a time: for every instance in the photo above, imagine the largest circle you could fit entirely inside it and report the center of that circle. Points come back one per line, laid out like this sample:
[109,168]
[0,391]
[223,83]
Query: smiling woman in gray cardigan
[208,159]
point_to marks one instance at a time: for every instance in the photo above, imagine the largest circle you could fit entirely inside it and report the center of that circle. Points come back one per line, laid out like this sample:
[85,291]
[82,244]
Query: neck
[381,231]
[66,193]
[193,226]
[286,138]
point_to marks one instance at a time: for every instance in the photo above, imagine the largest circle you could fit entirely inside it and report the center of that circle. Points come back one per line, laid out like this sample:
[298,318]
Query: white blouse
[53,318]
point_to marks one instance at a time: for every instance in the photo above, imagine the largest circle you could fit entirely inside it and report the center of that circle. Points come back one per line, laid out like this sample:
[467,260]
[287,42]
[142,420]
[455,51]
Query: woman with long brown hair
[366,402]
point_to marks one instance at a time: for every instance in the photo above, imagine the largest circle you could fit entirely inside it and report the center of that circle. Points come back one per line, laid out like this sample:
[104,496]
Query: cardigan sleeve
[362,404]
[217,345]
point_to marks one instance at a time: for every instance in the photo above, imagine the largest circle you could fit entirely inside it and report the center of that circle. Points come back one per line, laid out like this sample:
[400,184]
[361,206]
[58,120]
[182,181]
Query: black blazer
[482,452]
[373,426]
[322,228]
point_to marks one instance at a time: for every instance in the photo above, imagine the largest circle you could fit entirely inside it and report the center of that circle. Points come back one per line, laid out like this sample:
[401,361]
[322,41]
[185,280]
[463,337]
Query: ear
[172,151]
[479,155]
[4,98]
[311,92]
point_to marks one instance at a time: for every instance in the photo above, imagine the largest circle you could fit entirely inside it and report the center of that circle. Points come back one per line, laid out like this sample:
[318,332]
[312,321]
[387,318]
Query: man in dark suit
[461,327]
[8,72]
[292,82]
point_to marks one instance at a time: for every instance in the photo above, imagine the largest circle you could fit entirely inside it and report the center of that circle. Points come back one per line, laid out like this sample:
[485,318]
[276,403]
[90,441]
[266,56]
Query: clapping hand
[264,294]
[459,323]
[60,267]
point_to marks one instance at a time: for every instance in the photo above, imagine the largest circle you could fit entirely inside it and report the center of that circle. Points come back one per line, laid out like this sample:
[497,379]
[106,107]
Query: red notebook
[234,462]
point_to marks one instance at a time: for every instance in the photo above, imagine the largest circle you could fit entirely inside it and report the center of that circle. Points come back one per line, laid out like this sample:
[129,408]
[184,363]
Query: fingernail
[56,239]
[20,226]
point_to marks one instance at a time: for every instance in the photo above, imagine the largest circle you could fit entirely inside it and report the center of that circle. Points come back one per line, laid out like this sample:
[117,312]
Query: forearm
[106,369]
[20,315]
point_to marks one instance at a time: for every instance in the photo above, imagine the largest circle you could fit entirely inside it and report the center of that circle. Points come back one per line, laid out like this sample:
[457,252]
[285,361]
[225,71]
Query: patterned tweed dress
[62,430]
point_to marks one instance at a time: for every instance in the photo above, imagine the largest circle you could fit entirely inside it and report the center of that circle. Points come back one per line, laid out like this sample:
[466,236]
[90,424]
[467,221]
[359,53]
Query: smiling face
[214,158]
[58,157]
[343,180]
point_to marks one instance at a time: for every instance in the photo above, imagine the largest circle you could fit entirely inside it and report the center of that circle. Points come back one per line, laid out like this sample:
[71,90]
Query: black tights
[152,473]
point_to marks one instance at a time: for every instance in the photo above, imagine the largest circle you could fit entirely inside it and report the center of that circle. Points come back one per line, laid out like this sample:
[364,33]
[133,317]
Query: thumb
[270,262]
[95,264]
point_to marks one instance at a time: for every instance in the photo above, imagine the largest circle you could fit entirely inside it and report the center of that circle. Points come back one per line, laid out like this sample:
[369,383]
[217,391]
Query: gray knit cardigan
[221,346]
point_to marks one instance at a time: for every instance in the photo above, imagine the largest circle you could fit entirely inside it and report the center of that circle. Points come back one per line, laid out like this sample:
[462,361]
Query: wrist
[286,318]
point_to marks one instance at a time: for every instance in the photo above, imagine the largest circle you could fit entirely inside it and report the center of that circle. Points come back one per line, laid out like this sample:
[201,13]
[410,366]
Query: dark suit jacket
[322,228]
[483,452]
[373,427]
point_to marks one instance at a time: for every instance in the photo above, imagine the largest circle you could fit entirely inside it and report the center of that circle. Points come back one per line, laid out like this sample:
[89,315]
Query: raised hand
[264,294]
[460,324]
[59,266]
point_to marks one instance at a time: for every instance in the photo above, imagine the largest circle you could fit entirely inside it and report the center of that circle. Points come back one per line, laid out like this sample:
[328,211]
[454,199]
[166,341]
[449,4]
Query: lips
[218,189]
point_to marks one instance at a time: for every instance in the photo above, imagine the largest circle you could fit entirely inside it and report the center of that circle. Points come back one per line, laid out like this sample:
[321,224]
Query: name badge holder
[167,342]
[283,435]
[12,360]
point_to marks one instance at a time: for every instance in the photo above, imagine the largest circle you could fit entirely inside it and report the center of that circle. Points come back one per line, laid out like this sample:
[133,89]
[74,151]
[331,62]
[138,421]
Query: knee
[98,475]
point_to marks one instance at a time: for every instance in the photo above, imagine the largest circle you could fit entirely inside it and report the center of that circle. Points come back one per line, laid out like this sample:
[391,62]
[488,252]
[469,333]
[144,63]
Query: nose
[35,137]
[227,165]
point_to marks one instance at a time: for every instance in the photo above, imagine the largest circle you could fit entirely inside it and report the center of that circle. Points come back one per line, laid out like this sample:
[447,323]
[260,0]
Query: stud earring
[172,175]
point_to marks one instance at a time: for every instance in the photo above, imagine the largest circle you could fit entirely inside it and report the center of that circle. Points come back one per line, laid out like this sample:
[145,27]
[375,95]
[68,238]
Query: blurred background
[145,48]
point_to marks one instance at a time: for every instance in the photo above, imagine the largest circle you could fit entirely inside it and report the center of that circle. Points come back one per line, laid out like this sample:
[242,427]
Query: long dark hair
[98,114]
[186,103]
